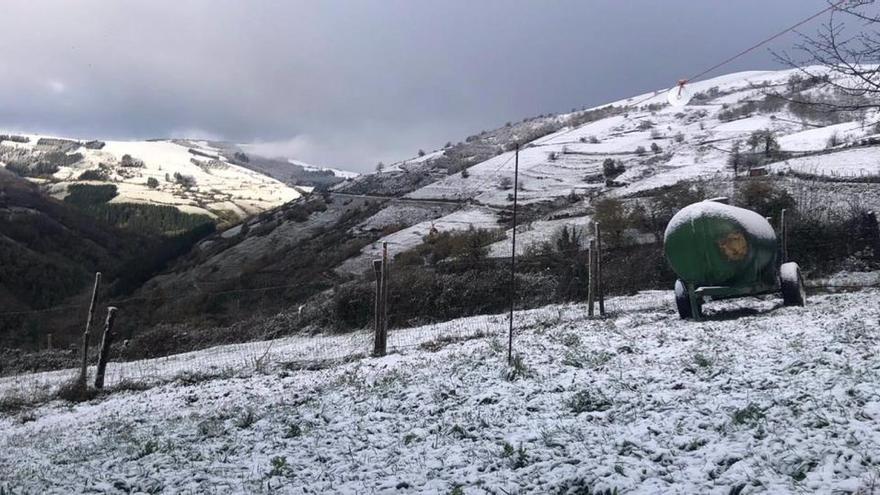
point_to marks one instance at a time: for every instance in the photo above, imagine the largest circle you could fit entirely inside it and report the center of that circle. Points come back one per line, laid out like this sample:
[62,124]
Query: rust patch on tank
[734,246]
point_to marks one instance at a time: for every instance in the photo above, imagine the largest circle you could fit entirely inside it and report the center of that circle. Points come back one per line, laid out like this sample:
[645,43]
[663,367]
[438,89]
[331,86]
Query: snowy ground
[758,398]
[859,162]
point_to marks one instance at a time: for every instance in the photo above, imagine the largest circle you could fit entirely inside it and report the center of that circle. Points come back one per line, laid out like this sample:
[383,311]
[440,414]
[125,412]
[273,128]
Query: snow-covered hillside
[758,398]
[693,142]
[193,176]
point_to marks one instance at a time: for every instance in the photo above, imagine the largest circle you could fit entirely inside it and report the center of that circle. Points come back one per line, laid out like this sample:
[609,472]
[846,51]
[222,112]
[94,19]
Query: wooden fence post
[591,274]
[49,341]
[106,340]
[85,337]
[378,340]
[600,289]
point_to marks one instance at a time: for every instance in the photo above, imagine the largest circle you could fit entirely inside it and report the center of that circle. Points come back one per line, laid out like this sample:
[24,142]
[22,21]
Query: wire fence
[427,307]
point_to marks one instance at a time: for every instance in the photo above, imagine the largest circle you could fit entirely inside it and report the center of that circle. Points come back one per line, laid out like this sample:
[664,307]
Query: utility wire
[748,50]
[768,40]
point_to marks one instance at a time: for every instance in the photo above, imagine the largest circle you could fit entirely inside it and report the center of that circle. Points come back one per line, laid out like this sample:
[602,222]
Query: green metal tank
[712,244]
[720,251]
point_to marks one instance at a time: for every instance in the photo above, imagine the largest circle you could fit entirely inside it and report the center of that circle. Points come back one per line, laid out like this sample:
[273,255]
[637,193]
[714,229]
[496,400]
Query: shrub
[470,244]
[83,195]
[40,169]
[14,138]
[641,150]
[833,140]
[128,161]
[566,259]
[764,197]
[656,148]
[60,159]
[279,466]
[645,125]
[505,183]
[17,168]
[614,218]
[186,181]
[764,141]
[94,174]
[611,168]
[152,183]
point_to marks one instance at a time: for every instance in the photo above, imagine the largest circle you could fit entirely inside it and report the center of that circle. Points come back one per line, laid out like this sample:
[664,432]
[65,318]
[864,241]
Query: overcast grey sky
[349,83]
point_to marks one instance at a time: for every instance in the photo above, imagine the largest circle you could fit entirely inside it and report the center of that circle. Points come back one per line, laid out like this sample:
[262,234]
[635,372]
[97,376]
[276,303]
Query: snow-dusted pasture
[756,399]
[818,139]
[859,162]
[221,188]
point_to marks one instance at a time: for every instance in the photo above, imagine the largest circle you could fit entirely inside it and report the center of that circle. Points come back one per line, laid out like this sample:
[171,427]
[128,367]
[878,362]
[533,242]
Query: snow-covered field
[221,188]
[757,398]
[858,162]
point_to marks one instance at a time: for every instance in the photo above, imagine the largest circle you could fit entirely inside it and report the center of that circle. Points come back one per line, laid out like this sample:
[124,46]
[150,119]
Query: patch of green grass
[246,419]
[694,444]
[278,466]
[750,414]
[702,361]
[800,473]
[293,431]
[148,447]
[518,457]
[571,339]
[586,360]
[588,401]
[581,486]
[212,427]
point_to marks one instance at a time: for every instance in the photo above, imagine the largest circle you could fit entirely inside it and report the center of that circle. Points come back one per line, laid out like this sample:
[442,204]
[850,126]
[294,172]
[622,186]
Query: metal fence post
[378,325]
[600,290]
[783,228]
[591,276]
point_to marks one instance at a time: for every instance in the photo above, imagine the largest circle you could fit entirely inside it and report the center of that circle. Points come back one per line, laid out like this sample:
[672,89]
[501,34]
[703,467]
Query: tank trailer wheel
[683,301]
[792,283]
